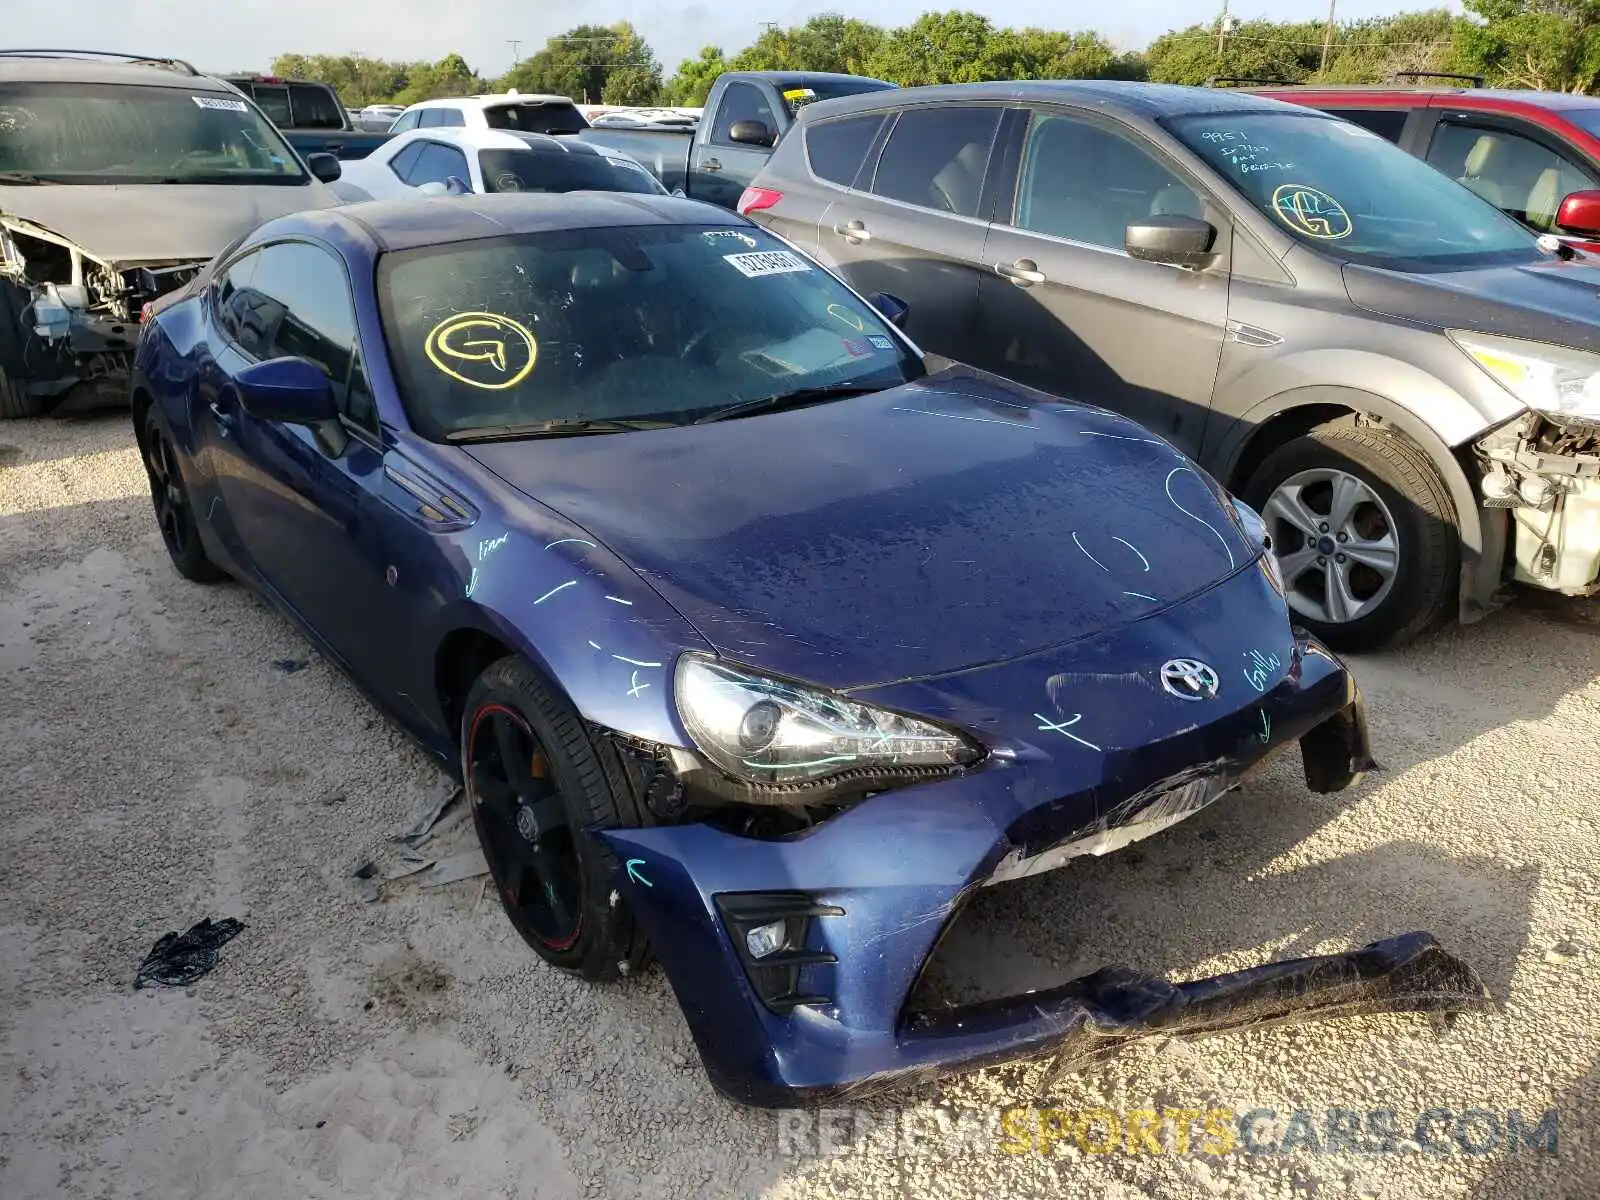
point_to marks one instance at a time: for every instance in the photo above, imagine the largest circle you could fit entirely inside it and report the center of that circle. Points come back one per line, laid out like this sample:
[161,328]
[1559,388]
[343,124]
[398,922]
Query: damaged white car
[120,177]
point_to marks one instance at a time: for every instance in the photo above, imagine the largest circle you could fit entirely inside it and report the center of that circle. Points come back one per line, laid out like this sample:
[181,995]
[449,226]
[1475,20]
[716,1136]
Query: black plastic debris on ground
[290,665]
[179,959]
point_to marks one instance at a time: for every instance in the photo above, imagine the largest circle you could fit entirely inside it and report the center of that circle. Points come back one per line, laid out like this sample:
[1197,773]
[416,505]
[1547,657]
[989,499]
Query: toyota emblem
[1188,679]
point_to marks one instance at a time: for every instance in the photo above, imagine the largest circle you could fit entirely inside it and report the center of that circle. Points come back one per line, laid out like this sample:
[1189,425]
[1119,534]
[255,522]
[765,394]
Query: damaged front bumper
[71,317]
[1547,474]
[857,904]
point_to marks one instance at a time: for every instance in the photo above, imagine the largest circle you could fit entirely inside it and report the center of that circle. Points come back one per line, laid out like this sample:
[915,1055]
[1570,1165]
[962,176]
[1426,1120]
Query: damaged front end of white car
[73,317]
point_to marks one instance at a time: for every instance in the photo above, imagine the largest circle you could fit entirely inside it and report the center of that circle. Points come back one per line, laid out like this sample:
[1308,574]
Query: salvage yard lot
[159,768]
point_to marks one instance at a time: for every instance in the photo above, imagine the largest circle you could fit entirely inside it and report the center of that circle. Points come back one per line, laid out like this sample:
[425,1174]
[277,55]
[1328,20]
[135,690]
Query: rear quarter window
[836,149]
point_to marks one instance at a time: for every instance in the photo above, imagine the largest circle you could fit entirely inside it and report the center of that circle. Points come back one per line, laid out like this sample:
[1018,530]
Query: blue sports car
[757,647]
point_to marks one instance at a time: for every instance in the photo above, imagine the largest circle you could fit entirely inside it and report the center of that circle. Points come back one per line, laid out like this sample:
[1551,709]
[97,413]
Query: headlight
[766,731]
[1256,530]
[1554,380]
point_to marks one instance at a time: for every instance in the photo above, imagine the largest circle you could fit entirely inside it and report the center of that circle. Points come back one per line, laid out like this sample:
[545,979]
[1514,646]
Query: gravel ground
[160,768]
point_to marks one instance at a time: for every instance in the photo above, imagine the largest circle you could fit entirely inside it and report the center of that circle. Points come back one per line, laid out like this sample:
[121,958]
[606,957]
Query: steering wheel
[698,339]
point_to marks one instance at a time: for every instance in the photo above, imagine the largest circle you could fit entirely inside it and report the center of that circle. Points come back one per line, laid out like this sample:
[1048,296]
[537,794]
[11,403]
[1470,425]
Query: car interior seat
[1485,160]
[957,185]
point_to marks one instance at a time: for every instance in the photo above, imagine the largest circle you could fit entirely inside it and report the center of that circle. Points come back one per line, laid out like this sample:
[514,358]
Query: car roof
[408,224]
[1554,101]
[1149,100]
[494,101]
[72,66]
[507,139]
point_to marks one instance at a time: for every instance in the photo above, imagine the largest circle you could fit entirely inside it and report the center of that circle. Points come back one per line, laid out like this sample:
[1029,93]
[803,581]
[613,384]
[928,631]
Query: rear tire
[169,494]
[1365,532]
[534,783]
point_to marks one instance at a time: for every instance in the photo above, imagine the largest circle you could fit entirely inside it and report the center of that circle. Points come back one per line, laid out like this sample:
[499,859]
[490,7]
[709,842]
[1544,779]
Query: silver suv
[119,178]
[1403,380]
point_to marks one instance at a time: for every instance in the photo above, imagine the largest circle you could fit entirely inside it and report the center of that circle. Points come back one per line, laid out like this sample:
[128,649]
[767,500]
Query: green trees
[1551,45]
[361,81]
[594,64]
[1546,44]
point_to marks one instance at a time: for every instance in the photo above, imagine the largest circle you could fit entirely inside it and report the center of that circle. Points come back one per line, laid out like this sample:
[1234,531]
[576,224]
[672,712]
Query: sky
[238,35]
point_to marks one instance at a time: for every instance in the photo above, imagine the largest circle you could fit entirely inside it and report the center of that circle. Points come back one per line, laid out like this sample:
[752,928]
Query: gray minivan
[1404,381]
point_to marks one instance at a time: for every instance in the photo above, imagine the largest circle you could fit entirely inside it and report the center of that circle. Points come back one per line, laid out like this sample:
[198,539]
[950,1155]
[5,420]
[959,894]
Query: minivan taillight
[754,199]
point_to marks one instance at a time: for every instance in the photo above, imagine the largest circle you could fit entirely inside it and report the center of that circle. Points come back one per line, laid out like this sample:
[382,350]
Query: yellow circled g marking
[1313,212]
[482,350]
[845,317]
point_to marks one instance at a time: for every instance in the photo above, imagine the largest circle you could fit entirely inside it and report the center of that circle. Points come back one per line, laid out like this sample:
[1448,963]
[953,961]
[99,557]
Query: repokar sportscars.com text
[1167,1131]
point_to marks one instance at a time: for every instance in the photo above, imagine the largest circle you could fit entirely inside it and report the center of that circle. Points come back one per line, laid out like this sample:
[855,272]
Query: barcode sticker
[765,262]
[219,102]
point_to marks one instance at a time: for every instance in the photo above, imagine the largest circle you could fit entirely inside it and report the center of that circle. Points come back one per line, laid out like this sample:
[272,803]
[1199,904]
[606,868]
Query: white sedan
[441,161]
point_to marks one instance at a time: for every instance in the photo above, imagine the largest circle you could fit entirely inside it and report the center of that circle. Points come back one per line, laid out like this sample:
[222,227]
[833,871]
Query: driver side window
[292,299]
[1086,184]
[741,102]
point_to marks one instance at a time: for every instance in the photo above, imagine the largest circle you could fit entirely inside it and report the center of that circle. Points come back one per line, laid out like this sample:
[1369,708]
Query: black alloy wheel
[523,828]
[170,496]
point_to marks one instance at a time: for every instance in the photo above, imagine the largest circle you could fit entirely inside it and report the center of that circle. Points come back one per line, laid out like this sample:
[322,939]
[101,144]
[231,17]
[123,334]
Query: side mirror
[455,187]
[891,308]
[432,188]
[1580,213]
[1176,240]
[324,166]
[292,391]
[751,133]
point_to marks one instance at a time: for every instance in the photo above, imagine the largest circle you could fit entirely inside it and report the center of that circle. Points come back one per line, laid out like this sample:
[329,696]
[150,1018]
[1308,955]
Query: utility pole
[1222,27]
[515,44]
[1327,40]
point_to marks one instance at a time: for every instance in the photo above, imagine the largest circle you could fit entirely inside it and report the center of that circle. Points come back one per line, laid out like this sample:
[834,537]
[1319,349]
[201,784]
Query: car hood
[148,223]
[909,533]
[1550,301]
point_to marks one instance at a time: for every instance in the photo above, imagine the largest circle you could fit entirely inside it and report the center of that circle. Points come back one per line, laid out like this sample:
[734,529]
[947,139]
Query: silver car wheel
[1335,542]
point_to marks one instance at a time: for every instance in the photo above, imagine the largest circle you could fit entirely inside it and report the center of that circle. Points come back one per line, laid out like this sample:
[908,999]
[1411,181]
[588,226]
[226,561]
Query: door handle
[853,232]
[1024,272]
[224,420]
[711,164]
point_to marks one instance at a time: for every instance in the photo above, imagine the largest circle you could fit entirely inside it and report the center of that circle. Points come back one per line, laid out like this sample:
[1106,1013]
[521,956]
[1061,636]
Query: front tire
[14,399]
[535,782]
[1364,531]
[169,493]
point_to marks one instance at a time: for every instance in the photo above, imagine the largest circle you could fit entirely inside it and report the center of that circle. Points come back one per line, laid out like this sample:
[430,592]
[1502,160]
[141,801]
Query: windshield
[797,96]
[557,171]
[655,322]
[111,133]
[1350,193]
[535,118]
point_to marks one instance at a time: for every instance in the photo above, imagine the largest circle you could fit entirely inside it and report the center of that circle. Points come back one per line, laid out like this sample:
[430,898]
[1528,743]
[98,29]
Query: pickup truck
[745,115]
[309,115]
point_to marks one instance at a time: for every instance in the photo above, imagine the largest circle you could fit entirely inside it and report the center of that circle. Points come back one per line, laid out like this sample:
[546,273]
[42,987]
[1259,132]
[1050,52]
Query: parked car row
[655,524]
[1395,374]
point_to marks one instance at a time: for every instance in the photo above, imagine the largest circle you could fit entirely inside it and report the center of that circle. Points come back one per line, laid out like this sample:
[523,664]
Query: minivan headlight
[1556,381]
[771,732]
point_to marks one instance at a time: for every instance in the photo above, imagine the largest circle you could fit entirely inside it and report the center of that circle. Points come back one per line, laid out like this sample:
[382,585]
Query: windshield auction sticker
[219,102]
[482,349]
[765,262]
[1311,212]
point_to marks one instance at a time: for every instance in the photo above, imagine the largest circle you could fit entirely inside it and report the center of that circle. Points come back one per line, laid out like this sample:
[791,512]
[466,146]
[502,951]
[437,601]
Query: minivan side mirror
[891,308]
[751,133]
[1174,239]
[1580,212]
[293,391]
[324,166]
